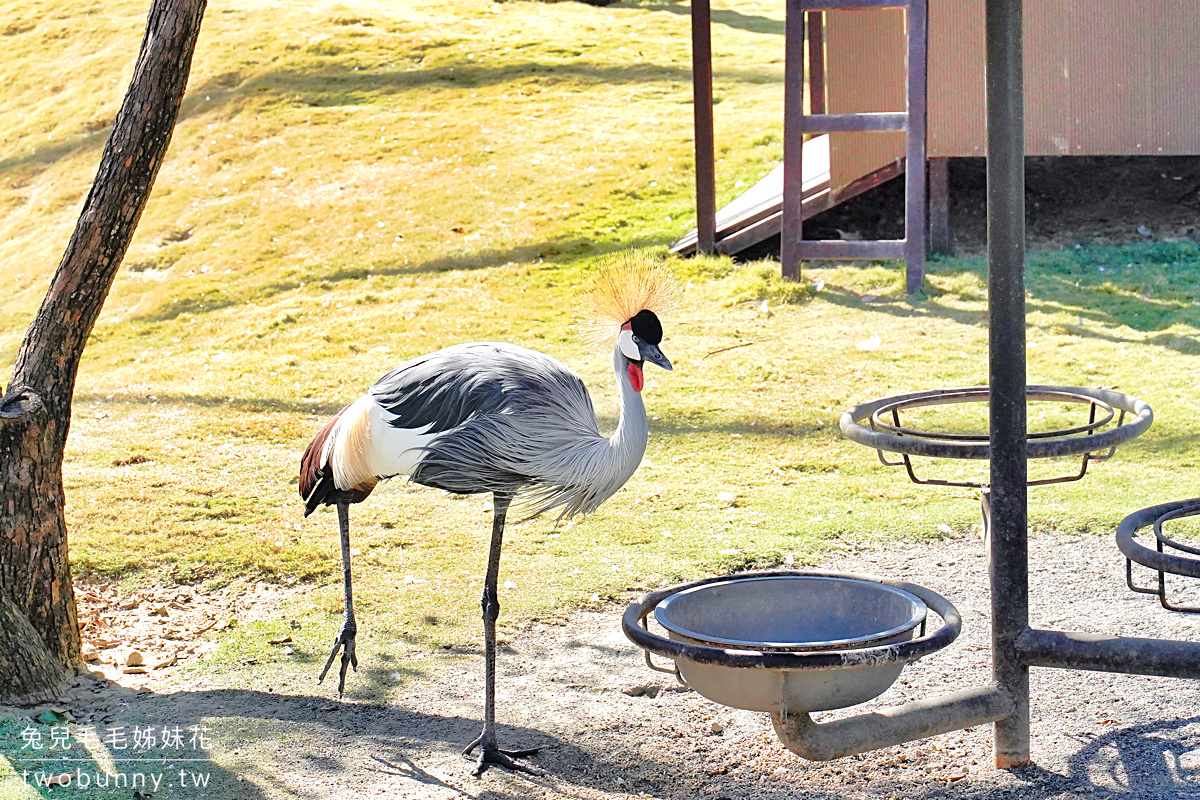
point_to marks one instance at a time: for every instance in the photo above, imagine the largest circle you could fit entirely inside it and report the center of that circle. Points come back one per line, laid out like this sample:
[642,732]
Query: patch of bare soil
[610,728]
[134,637]
[1081,199]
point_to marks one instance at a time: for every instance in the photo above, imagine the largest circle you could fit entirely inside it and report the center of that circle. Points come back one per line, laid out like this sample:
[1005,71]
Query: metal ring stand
[865,425]
[868,424]
[855,734]
[1158,560]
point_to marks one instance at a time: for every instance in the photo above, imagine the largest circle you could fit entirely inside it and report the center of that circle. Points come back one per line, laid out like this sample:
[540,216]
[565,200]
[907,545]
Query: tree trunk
[39,632]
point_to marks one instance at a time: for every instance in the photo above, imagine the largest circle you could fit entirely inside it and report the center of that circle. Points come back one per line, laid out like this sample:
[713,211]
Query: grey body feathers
[514,421]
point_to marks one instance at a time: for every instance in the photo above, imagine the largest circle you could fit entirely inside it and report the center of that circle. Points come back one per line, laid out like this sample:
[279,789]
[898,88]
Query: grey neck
[629,440]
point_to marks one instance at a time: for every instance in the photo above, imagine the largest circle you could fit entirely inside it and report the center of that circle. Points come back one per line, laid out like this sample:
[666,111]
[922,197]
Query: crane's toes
[345,643]
[489,754]
[503,758]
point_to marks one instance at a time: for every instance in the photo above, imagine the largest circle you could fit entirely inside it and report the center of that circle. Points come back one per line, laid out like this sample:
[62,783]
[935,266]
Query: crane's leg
[488,752]
[345,637]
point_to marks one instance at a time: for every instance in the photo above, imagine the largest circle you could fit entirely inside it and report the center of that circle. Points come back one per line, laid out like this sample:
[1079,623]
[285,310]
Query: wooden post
[915,223]
[793,141]
[816,62]
[940,239]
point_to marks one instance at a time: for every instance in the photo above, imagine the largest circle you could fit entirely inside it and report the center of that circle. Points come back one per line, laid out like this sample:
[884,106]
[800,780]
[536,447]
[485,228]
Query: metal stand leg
[1008,546]
[702,109]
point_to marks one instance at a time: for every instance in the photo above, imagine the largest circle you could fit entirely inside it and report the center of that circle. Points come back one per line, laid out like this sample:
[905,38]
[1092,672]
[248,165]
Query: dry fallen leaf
[280,640]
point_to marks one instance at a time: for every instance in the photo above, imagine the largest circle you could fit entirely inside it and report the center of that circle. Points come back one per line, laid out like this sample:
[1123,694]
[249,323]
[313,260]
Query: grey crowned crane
[494,417]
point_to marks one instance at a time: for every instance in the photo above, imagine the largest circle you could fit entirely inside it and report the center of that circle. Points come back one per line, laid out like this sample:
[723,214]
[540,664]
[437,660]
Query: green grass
[352,184]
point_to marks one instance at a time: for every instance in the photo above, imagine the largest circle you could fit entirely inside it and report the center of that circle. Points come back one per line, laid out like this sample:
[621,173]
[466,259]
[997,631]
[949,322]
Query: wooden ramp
[757,215]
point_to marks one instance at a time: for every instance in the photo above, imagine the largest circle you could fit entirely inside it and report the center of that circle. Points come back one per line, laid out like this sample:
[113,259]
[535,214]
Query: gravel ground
[609,728]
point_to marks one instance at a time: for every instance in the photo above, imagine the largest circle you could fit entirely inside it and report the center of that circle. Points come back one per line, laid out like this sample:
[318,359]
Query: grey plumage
[515,421]
[483,417]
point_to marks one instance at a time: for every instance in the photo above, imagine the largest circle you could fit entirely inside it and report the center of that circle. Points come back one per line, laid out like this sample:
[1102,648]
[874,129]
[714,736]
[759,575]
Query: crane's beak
[651,353]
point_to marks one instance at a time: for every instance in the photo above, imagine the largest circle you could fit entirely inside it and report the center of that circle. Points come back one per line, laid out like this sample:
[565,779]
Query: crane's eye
[636,339]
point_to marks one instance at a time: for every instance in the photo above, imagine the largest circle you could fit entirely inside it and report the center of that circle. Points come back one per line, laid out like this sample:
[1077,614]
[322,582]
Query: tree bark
[39,632]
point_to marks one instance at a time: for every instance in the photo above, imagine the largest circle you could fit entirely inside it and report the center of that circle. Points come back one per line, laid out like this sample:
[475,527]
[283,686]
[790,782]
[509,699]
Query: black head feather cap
[646,326]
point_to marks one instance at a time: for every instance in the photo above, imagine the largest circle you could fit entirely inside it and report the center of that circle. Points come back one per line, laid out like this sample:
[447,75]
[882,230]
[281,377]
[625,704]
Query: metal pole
[1102,653]
[702,109]
[861,733]
[793,141]
[1008,544]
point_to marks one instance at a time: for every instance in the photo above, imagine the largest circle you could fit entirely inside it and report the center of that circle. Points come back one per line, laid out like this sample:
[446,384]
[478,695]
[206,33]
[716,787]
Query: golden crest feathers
[623,285]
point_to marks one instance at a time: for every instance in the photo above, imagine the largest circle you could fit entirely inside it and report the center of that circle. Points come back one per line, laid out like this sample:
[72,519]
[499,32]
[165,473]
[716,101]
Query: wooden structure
[1104,77]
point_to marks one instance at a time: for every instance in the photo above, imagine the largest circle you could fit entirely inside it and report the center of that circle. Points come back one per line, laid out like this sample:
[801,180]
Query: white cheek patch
[628,348]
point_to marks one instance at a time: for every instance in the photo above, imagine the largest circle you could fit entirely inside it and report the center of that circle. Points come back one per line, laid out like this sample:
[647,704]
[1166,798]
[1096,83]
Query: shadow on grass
[720,16]
[45,156]
[1145,287]
[333,83]
[571,247]
[663,427]
[255,405]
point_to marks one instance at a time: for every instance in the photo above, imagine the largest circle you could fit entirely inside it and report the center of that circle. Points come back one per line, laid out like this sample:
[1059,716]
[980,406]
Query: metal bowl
[791,614]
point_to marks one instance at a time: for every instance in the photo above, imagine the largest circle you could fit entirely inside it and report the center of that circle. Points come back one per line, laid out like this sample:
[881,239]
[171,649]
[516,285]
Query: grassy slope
[355,183]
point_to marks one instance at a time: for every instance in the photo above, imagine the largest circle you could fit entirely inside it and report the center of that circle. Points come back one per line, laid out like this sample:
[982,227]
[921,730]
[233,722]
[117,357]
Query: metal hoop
[980,395]
[1186,511]
[1160,562]
[896,439]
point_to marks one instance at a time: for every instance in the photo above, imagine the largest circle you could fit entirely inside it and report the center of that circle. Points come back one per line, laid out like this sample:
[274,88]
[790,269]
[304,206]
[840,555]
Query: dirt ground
[609,728]
[1102,200]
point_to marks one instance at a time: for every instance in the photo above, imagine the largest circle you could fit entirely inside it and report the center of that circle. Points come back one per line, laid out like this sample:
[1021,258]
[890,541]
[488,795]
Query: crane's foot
[345,643]
[489,754]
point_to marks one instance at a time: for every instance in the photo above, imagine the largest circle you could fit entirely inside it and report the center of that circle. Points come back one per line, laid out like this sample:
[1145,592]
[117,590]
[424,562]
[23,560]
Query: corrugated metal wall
[864,63]
[1102,77]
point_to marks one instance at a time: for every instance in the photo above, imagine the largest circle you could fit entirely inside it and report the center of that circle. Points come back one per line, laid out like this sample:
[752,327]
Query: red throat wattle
[635,376]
